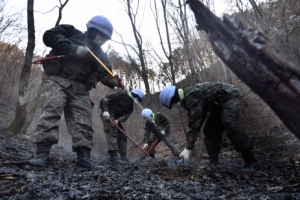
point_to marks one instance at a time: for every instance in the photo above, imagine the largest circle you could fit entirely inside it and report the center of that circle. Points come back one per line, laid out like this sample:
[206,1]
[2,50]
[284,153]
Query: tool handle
[152,146]
[111,121]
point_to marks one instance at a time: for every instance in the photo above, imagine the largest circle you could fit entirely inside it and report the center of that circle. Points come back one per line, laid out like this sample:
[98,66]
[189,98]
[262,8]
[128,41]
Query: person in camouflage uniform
[222,103]
[66,85]
[118,106]
[159,126]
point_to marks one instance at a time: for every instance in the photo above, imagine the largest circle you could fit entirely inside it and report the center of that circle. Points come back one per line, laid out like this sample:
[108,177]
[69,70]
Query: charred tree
[21,113]
[267,70]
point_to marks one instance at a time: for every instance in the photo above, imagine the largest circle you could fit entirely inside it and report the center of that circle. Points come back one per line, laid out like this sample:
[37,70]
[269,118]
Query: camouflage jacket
[201,98]
[85,70]
[118,104]
[162,124]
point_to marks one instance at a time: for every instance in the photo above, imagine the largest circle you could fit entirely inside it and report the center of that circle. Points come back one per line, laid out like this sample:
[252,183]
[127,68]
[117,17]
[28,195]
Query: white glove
[106,115]
[185,154]
[81,51]
[163,133]
[145,146]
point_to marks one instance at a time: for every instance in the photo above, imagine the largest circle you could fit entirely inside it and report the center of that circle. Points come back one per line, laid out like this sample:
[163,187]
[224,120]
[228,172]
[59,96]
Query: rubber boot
[84,159]
[214,164]
[114,158]
[124,158]
[251,164]
[214,159]
[42,154]
[152,156]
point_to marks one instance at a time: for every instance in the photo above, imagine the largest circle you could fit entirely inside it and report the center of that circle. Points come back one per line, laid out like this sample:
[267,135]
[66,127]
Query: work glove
[115,81]
[115,122]
[185,154]
[81,51]
[145,146]
[163,132]
[106,115]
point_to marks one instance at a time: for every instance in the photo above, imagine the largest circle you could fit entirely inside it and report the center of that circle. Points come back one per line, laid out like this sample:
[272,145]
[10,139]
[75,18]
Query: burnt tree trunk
[255,60]
[21,112]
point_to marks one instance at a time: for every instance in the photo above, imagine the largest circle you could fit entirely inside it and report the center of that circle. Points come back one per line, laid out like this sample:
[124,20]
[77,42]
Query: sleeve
[147,131]
[165,123]
[104,104]
[103,75]
[196,116]
[57,39]
[125,116]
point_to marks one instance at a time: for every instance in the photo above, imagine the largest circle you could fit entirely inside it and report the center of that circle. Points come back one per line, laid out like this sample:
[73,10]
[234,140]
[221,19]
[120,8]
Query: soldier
[117,107]
[66,85]
[159,126]
[222,102]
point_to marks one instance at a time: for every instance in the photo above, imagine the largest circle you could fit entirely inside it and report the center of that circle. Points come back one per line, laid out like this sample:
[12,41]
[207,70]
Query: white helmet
[146,113]
[102,24]
[166,95]
[140,93]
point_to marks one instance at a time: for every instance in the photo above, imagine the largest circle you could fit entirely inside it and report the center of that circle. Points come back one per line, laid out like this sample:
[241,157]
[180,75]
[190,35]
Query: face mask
[176,106]
[99,40]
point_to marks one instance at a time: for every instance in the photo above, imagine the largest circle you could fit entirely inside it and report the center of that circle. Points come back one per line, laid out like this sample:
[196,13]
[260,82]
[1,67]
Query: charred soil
[278,178]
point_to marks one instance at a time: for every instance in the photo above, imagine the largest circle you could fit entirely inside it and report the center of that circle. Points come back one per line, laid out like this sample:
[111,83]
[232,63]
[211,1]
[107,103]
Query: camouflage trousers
[167,139]
[76,104]
[115,139]
[225,118]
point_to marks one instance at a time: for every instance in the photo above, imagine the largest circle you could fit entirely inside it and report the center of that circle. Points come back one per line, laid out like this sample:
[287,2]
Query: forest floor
[278,155]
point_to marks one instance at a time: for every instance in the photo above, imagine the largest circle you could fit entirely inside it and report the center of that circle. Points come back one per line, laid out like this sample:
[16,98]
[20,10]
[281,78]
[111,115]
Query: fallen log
[267,70]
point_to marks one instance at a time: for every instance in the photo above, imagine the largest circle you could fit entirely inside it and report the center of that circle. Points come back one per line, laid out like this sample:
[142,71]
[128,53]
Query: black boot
[124,158]
[251,164]
[214,159]
[152,156]
[42,154]
[114,158]
[84,160]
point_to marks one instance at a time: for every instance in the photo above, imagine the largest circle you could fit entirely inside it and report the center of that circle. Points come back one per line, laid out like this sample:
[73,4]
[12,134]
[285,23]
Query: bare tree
[168,54]
[60,11]
[139,41]
[21,112]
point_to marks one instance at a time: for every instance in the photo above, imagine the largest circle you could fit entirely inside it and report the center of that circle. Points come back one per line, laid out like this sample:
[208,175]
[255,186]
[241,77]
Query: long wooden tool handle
[152,146]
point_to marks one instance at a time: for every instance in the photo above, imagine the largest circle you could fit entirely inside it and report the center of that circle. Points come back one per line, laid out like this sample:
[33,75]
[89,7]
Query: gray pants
[115,139]
[77,106]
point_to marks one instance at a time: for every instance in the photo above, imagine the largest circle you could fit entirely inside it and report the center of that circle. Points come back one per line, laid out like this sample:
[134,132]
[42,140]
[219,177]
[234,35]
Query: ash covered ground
[278,154]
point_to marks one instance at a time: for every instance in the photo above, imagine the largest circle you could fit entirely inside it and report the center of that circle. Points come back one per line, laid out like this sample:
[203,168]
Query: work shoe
[114,158]
[124,158]
[214,159]
[251,164]
[84,160]
[152,156]
[42,154]
[250,168]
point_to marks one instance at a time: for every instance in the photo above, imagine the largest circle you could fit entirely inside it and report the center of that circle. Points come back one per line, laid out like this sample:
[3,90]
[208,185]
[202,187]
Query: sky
[79,12]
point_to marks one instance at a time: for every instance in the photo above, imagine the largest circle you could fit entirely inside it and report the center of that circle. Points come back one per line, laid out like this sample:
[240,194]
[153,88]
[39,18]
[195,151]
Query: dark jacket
[118,104]
[64,40]
[162,124]
[202,98]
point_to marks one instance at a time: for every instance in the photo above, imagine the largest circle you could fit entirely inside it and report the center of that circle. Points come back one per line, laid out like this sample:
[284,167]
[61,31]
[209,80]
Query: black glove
[115,81]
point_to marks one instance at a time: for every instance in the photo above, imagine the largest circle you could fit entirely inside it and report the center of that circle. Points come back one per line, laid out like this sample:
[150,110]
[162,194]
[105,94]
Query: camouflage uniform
[120,106]
[222,102]
[66,85]
[161,123]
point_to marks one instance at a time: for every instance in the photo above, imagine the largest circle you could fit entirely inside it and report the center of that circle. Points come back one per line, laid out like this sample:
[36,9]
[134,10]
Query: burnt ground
[278,154]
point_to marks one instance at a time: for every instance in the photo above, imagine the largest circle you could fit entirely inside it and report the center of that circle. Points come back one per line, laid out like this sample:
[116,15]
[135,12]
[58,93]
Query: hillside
[278,178]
